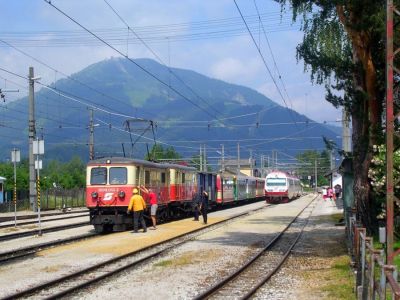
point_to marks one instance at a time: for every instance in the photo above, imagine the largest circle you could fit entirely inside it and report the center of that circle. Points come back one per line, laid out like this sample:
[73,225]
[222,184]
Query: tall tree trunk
[366,114]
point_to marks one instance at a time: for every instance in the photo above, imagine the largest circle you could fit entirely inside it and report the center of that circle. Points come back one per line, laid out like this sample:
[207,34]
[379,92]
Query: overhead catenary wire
[272,54]
[131,60]
[159,58]
[153,33]
[264,61]
[62,73]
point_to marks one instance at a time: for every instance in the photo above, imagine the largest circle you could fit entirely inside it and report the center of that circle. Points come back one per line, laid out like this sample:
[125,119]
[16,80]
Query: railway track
[12,236]
[70,283]
[33,216]
[246,280]
[2,226]
[31,250]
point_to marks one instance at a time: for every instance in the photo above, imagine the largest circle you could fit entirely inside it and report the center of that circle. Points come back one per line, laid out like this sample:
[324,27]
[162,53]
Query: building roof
[2,178]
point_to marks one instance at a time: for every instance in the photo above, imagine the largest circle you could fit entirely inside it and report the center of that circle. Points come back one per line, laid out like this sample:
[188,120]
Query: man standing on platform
[138,206]
[195,205]
[204,206]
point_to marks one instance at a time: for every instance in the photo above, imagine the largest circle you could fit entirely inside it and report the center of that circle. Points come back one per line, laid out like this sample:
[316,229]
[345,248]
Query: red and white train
[281,187]
[110,181]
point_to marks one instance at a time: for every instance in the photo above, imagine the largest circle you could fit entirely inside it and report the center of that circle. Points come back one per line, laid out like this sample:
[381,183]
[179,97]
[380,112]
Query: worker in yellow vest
[138,206]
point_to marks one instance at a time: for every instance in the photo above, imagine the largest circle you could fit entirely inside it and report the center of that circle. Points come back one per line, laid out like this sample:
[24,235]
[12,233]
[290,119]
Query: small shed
[2,179]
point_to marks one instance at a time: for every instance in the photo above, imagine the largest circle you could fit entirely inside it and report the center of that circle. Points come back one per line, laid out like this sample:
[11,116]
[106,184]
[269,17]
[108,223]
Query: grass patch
[188,258]
[179,261]
[339,280]
[336,218]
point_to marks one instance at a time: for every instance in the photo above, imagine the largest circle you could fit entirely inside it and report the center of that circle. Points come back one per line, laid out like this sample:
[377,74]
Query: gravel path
[191,268]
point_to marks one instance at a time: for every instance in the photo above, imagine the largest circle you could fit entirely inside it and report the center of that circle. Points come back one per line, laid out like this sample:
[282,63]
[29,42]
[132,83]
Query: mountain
[204,110]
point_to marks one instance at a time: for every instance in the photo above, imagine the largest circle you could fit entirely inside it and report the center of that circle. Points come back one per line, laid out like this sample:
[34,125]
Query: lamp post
[15,157]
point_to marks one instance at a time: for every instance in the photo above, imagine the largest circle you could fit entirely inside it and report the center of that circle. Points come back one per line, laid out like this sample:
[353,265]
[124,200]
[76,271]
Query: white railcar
[281,187]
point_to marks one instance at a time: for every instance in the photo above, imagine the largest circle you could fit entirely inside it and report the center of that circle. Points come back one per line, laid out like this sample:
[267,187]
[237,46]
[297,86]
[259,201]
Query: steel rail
[42,221]
[31,250]
[219,285]
[13,236]
[32,216]
[84,282]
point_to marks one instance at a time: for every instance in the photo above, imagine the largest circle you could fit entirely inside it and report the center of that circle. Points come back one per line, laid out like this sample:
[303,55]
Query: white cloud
[233,59]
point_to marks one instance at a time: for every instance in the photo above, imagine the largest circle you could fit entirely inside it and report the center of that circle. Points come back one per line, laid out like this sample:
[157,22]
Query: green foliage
[307,160]
[157,152]
[66,175]
[377,173]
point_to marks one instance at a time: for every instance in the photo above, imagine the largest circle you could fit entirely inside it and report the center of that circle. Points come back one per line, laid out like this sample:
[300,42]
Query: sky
[206,36]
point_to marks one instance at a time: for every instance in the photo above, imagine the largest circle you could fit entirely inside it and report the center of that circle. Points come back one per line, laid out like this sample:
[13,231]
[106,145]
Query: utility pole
[91,138]
[223,159]
[251,163]
[32,134]
[238,158]
[316,177]
[205,158]
[201,158]
[346,135]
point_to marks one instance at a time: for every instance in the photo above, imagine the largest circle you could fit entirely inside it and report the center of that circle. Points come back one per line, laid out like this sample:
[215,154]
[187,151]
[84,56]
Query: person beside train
[152,197]
[138,206]
[204,206]
[331,195]
[338,190]
[196,205]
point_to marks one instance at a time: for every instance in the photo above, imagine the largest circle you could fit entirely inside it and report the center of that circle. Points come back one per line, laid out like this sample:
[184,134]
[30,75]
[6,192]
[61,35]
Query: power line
[158,57]
[132,61]
[264,61]
[272,53]
[67,76]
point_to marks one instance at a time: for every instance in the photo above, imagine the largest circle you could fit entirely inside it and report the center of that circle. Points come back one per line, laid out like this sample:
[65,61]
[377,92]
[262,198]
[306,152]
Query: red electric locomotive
[110,182]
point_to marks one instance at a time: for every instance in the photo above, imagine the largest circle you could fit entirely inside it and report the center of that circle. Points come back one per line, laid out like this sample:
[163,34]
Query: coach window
[98,176]
[163,178]
[183,177]
[118,175]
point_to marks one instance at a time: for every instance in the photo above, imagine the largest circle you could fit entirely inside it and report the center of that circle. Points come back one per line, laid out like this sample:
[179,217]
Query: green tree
[307,161]
[343,48]
[7,171]
[157,152]
[66,175]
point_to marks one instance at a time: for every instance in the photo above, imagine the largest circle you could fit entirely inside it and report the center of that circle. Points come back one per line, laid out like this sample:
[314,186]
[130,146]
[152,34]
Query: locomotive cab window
[118,175]
[276,181]
[98,176]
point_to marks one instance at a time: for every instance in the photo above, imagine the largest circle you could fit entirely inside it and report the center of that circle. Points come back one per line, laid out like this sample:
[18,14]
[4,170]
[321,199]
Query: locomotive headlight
[95,194]
[121,194]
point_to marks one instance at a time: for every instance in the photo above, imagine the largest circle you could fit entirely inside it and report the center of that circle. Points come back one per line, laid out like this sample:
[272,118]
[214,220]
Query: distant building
[334,177]
[246,166]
